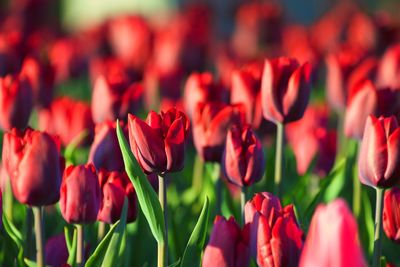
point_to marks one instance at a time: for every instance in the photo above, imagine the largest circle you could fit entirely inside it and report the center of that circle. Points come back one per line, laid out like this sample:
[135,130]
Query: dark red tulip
[228,245]
[158,143]
[115,187]
[16,102]
[332,238]
[32,160]
[80,195]
[243,158]
[112,69]
[389,68]
[311,139]
[275,236]
[362,31]
[285,89]
[211,123]
[364,100]
[246,89]
[67,118]
[56,251]
[105,144]
[379,156]
[111,101]
[366,70]
[391,214]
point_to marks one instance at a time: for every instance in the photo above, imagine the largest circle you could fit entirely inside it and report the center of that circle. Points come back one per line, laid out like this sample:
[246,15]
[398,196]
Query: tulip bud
[275,237]
[210,126]
[379,156]
[56,252]
[228,245]
[285,89]
[243,158]
[389,68]
[332,239]
[391,214]
[115,187]
[32,160]
[80,194]
[15,102]
[105,144]
[158,143]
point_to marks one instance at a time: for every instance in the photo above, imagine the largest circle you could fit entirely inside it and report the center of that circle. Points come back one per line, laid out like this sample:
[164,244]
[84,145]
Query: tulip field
[166,139]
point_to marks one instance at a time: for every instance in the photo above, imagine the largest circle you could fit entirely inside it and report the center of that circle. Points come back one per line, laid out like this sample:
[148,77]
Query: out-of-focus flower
[158,143]
[389,68]
[115,187]
[113,101]
[105,151]
[332,238]
[243,158]
[211,123]
[15,102]
[67,118]
[228,245]
[32,160]
[285,89]
[310,137]
[80,195]
[56,251]
[379,156]
[365,99]
[246,89]
[362,32]
[391,214]
[275,236]
[366,70]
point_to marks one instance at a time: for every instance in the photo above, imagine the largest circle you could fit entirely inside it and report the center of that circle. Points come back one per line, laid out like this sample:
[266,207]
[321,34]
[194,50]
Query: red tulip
[15,102]
[366,70]
[243,158]
[80,194]
[365,99]
[56,251]
[67,118]
[246,89]
[311,139]
[32,160]
[114,101]
[379,156]
[332,239]
[391,214]
[389,68]
[275,237]
[115,187]
[362,31]
[211,123]
[158,143]
[285,89]
[228,245]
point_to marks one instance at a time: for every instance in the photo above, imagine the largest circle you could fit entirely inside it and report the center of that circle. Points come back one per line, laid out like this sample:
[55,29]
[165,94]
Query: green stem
[279,158]
[197,173]
[356,196]
[8,200]
[39,232]
[219,196]
[162,197]
[101,231]
[29,247]
[80,250]
[242,202]
[378,227]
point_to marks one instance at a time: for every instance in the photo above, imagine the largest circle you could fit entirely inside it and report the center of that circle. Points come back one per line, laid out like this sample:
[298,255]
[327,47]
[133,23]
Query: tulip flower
[67,118]
[16,102]
[158,143]
[80,194]
[379,161]
[365,70]
[32,160]
[211,123]
[332,239]
[275,236]
[115,187]
[228,245]
[105,144]
[389,68]
[391,214]
[56,252]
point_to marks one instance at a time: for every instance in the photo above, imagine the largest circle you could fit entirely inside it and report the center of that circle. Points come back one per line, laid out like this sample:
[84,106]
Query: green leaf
[13,232]
[98,255]
[72,146]
[72,251]
[147,198]
[30,263]
[68,240]
[111,256]
[194,248]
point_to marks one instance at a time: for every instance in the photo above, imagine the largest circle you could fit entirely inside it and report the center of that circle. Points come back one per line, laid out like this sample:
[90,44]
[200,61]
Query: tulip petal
[175,146]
